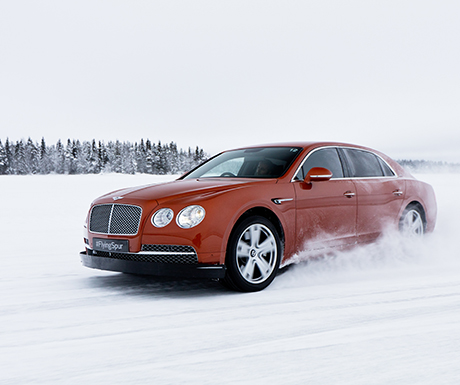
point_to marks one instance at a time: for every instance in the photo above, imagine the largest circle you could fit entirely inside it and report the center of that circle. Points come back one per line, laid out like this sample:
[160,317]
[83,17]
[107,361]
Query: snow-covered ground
[387,313]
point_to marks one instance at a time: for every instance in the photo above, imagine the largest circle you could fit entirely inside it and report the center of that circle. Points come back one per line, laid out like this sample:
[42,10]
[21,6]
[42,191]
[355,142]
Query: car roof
[305,145]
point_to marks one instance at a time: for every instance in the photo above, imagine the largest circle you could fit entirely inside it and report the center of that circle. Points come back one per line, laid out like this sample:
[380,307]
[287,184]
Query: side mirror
[318,174]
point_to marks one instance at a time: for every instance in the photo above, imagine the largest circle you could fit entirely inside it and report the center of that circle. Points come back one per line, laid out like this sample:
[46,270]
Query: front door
[325,211]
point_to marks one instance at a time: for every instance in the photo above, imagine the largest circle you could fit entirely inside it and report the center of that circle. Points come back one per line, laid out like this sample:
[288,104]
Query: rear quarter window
[387,171]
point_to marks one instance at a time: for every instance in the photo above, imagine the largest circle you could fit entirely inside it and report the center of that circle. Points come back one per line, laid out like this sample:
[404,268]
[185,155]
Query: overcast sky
[220,74]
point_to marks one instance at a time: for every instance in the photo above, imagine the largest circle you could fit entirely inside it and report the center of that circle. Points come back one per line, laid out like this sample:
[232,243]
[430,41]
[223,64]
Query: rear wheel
[412,222]
[253,255]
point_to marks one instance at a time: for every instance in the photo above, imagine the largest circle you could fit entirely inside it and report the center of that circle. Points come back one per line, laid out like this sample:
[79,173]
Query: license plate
[111,245]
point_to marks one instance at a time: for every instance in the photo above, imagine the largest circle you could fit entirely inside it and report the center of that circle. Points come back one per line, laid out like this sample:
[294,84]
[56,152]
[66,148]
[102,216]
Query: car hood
[181,188]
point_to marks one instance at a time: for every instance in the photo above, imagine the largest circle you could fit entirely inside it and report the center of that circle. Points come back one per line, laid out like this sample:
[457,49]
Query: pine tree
[102,158]
[44,161]
[161,163]
[59,158]
[173,158]
[94,167]
[9,157]
[3,160]
[31,154]
[20,165]
[149,158]
[128,159]
[199,156]
[117,162]
[141,157]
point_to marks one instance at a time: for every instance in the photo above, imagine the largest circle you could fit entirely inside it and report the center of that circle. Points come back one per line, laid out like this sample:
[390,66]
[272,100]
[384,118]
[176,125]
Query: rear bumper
[153,268]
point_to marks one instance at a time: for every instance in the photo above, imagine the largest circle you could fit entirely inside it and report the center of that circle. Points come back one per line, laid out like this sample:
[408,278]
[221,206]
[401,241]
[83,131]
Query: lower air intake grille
[115,219]
[169,249]
[157,253]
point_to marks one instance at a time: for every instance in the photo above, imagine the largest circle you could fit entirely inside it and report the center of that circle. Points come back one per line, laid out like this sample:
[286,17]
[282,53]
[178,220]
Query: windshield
[263,162]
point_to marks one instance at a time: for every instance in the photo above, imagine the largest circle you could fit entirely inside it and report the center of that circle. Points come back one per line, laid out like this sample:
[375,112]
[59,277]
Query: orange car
[240,214]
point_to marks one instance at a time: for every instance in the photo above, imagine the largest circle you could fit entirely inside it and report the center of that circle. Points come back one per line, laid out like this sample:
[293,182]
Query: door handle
[349,194]
[398,192]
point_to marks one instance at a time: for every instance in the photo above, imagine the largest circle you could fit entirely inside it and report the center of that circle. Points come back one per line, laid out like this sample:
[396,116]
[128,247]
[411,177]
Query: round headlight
[162,217]
[190,216]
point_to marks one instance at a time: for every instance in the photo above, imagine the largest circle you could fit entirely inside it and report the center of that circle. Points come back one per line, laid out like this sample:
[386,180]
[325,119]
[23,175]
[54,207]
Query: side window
[363,163]
[327,158]
[386,169]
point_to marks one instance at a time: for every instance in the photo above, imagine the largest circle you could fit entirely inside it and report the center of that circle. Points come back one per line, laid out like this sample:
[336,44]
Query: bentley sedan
[242,213]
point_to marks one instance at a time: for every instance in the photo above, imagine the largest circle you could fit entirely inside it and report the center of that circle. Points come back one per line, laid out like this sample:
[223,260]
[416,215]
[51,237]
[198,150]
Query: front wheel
[412,223]
[253,255]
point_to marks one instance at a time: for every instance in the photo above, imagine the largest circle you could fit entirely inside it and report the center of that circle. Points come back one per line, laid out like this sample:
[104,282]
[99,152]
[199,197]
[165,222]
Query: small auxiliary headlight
[162,217]
[190,216]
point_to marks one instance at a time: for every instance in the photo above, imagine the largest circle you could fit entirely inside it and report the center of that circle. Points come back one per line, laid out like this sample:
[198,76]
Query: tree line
[428,166]
[91,157]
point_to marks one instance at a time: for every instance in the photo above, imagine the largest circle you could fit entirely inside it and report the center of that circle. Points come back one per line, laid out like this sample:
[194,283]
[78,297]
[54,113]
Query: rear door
[325,211]
[380,193]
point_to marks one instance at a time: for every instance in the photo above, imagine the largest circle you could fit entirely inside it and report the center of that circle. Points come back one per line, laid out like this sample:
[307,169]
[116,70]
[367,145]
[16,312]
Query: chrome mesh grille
[115,219]
[168,248]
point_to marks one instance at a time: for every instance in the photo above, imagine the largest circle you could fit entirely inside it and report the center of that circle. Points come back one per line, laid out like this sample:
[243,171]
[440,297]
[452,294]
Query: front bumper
[152,268]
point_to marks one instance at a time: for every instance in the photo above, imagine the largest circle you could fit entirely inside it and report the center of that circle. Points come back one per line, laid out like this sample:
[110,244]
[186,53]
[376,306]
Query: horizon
[193,147]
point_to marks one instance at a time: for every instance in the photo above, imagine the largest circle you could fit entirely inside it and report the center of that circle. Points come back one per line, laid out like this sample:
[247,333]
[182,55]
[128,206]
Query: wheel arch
[263,212]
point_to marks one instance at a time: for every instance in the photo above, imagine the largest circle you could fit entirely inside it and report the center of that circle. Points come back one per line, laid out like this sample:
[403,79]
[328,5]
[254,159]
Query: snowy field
[387,313]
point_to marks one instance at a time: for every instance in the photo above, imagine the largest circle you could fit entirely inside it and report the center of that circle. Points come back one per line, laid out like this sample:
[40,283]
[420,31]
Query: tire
[412,222]
[253,255]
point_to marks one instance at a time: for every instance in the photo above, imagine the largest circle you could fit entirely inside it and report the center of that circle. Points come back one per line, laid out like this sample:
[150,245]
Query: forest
[94,157]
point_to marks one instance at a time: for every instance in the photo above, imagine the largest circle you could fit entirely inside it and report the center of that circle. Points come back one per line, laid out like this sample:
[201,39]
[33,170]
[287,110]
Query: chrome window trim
[350,177]
[368,177]
[305,159]
[395,175]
